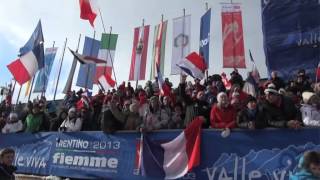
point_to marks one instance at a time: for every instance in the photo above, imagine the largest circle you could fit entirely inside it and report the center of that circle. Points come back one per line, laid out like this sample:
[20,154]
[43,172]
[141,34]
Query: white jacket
[72,126]
[12,127]
[310,115]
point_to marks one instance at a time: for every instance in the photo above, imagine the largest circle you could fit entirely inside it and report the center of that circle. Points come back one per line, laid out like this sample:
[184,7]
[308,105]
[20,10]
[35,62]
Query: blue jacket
[303,174]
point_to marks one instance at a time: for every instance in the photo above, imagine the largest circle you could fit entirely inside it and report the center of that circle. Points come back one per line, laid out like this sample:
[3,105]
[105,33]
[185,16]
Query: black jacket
[279,116]
[243,118]
[6,172]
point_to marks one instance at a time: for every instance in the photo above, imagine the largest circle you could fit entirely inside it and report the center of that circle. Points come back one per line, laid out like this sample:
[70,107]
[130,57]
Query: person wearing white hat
[280,110]
[72,123]
[310,109]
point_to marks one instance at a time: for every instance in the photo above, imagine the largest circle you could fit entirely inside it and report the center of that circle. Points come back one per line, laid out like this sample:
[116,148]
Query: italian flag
[106,52]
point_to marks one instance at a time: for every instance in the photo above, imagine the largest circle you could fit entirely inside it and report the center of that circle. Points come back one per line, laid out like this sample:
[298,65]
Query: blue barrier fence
[259,154]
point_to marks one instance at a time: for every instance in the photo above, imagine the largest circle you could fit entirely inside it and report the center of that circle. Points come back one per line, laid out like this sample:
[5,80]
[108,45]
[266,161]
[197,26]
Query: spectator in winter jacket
[309,167]
[6,161]
[133,119]
[223,115]
[276,80]
[72,123]
[177,118]
[36,121]
[56,122]
[310,109]
[252,117]
[112,118]
[280,110]
[155,118]
[13,124]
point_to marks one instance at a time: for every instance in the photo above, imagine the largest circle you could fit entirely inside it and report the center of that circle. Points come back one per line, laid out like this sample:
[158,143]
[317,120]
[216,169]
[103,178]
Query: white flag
[181,41]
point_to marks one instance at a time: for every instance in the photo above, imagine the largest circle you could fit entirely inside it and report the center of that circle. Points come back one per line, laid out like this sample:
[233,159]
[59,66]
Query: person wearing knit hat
[310,109]
[280,110]
[252,117]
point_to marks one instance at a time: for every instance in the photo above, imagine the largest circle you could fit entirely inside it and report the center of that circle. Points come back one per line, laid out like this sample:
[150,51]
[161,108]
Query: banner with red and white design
[139,53]
[232,36]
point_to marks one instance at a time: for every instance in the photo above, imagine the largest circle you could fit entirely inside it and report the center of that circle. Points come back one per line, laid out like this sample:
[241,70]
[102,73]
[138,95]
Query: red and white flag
[88,10]
[101,68]
[194,65]
[106,81]
[139,53]
[232,36]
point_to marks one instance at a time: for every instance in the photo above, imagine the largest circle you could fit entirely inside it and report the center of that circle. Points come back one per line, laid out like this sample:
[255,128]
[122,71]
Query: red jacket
[223,118]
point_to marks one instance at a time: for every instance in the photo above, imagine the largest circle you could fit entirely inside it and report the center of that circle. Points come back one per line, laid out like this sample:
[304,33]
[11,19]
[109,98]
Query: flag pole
[18,95]
[88,69]
[104,28]
[207,70]
[12,90]
[114,72]
[43,93]
[141,52]
[73,67]
[61,61]
[32,82]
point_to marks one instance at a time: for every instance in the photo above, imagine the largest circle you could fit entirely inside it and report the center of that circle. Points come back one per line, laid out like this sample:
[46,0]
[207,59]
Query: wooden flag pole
[61,61]
[88,69]
[137,80]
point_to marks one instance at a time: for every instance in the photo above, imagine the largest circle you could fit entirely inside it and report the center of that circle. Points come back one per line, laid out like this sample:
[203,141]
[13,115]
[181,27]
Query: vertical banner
[68,85]
[87,71]
[139,53]
[232,36]
[205,36]
[181,41]
[159,43]
[107,51]
[291,31]
[43,75]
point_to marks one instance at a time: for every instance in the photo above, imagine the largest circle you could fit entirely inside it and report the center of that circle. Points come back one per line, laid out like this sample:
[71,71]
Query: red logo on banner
[232,36]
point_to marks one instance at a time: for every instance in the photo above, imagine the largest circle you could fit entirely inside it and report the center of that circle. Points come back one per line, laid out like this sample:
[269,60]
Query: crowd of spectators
[223,104]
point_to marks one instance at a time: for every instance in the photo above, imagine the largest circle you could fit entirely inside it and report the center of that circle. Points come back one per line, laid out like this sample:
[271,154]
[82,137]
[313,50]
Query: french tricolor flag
[31,58]
[175,158]
[194,65]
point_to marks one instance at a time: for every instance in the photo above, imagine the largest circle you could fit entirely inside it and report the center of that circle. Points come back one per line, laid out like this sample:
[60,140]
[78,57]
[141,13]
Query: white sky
[60,20]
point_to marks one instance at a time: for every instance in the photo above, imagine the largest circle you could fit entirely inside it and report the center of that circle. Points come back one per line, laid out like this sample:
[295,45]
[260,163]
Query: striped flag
[106,81]
[31,57]
[139,53]
[87,71]
[193,65]
[175,158]
[106,52]
[44,73]
[254,73]
[28,88]
[181,41]
[159,43]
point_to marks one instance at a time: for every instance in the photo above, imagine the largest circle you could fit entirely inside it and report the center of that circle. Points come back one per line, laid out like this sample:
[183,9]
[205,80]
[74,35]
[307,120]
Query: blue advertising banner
[205,36]
[261,154]
[291,32]
[44,73]
[87,71]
